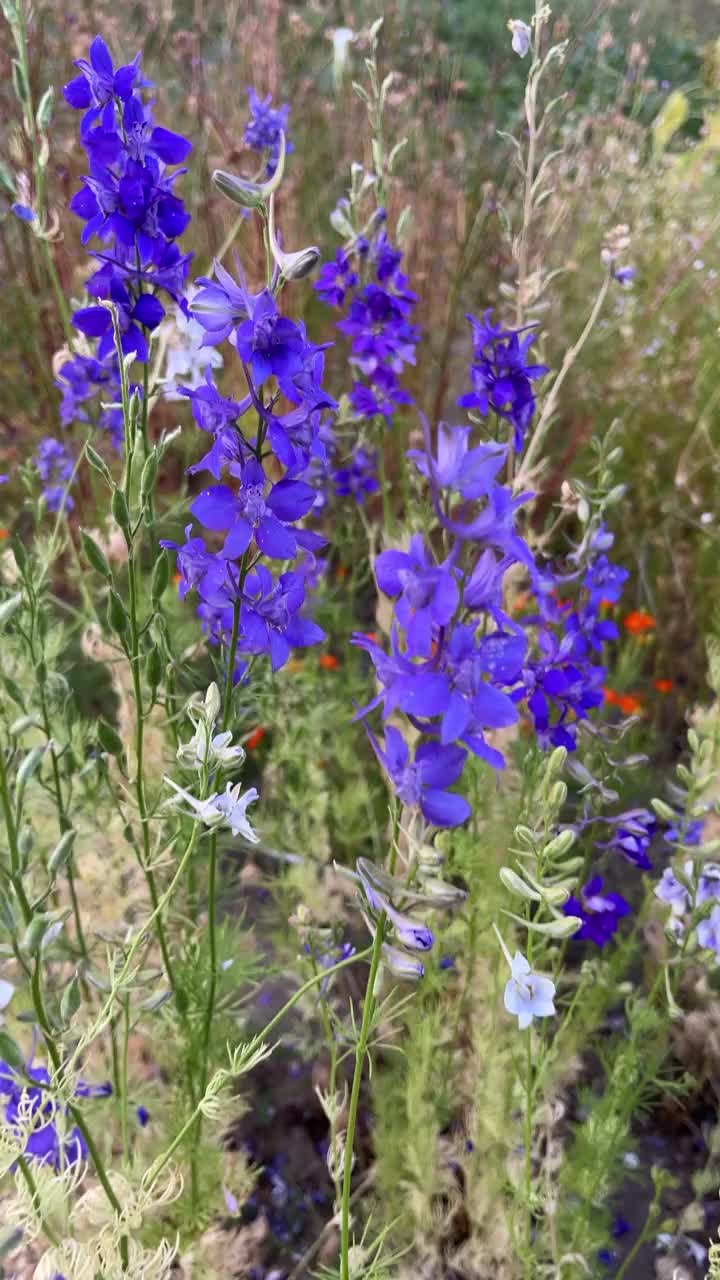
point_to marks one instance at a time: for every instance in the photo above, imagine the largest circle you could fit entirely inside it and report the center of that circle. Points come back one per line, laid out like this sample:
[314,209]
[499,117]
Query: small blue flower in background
[521,36]
[23,212]
[674,894]
[600,912]
[262,132]
[143,1116]
[527,994]
[335,279]
[359,479]
[55,467]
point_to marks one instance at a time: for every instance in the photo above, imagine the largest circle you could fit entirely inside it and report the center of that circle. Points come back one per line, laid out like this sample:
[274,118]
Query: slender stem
[29,1180]
[548,408]
[360,1052]
[57,289]
[127,1151]
[531,120]
[529,1092]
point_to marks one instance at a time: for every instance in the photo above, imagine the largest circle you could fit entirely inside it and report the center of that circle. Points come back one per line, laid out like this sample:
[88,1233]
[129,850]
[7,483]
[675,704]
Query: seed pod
[117,614]
[515,884]
[95,555]
[119,508]
[97,464]
[160,578]
[62,853]
[561,844]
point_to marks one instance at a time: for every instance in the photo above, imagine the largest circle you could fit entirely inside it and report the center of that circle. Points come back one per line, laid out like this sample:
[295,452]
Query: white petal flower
[521,36]
[228,808]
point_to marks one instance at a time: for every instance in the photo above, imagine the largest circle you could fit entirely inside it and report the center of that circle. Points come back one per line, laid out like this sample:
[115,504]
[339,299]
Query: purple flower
[457,467]
[253,512]
[220,305]
[424,781]
[194,561]
[270,616]
[23,212]
[49,1143]
[501,376]
[335,279]
[632,836]
[359,479]
[674,894]
[708,931]
[99,82]
[263,130]
[429,593]
[270,343]
[133,315]
[600,912]
[55,468]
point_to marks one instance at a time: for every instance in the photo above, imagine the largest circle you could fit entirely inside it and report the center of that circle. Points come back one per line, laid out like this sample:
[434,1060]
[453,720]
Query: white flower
[187,359]
[223,808]
[207,747]
[521,36]
[527,995]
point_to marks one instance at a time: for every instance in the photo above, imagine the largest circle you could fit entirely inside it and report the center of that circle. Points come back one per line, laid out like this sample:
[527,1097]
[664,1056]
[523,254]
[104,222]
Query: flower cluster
[501,376]
[693,893]
[562,680]
[263,130]
[255,517]
[29,1110]
[383,339]
[455,656]
[55,468]
[128,202]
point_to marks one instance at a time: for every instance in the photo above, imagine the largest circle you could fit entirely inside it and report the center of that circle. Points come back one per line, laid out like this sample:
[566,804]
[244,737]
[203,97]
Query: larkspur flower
[501,375]
[527,994]
[335,279]
[599,911]
[256,511]
[428,593]
[424,780]
[55,468]
[672,892]
[708,931]
[263,130]
[358,479]
[225,808]
[270,616]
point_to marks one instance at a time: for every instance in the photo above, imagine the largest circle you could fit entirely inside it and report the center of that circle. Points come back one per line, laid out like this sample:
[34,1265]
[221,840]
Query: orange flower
[664,686]
[341,572]
[611,696]
[630,703]
[256,736]
[637,622]
[328,661]
[519,602]
[177,578]
[4,533]
[607,604]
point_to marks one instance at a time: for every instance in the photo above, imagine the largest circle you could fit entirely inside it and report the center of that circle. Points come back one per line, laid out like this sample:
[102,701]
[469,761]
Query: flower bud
[293,266]
[401,965]
[250,195]
[515,884]
[561,844]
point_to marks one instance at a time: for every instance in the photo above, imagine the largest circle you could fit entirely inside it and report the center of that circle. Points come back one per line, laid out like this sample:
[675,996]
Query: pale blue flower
[527,995]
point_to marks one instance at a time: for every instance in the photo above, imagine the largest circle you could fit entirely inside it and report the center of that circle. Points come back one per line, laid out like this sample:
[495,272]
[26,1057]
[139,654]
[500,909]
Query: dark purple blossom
[336,277]
[600,912]
[428,593]
[501,375]
[424,780]
[259,513]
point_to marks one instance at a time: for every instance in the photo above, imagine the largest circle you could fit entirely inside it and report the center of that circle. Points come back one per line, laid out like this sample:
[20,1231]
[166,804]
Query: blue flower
[600,912]
[45,1144]
[334,280]
[270,616]
[253,512]
[429,593]
[424,781]
[99,82]
[55,468]
[270,343]
[263,130]
[359,479]
[501,375]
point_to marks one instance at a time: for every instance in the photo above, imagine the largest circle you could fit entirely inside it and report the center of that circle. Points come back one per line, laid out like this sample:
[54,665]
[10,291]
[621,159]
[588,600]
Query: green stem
[29,1180]
[529,1091]
[127,1152]
[360,1052]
